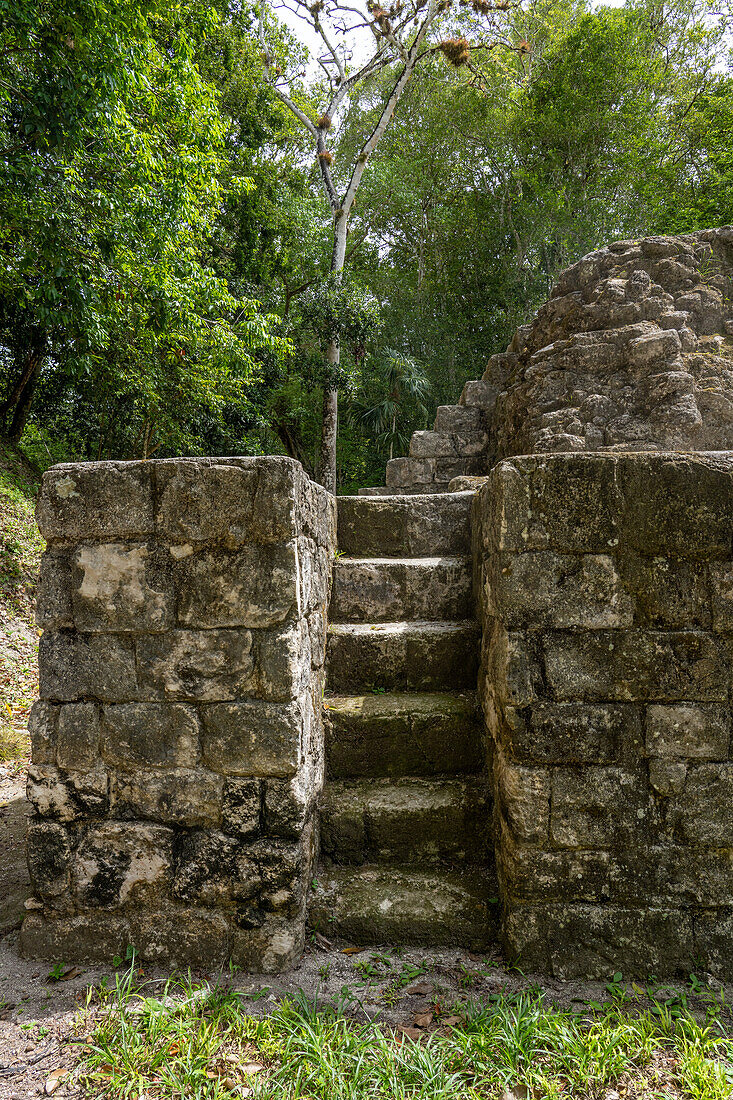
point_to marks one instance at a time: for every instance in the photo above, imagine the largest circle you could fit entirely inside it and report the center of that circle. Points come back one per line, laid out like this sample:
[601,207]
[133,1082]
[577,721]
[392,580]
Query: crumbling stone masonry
[178,746]
[607,605]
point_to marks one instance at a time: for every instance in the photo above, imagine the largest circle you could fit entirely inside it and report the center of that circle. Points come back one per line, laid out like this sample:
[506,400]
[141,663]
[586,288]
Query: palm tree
[403,383]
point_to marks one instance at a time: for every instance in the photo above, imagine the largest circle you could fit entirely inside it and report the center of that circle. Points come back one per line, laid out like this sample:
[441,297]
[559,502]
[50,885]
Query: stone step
[402,527]
[448,444]
[460,418]
[428,822]
[376,491]
[423,656]
[414,473]
[402,735]
[376,590]
[479,393]
[373,905]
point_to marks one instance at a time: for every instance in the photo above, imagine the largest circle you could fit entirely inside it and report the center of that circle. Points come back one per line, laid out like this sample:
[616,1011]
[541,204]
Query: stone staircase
[405,814]
[457,446]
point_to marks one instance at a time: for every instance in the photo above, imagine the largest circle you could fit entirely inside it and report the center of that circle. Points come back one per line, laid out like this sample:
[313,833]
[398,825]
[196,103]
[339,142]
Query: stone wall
[633,351]
[606,589]
[177,750]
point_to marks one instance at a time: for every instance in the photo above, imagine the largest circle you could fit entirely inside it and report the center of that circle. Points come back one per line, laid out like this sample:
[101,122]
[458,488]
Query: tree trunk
[329,421]
[19,400]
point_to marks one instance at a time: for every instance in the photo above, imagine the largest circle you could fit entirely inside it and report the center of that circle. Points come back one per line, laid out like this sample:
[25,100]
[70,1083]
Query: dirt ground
[42,1015]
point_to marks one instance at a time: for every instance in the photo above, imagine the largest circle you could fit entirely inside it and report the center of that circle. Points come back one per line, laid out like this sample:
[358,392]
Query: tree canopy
[166,242]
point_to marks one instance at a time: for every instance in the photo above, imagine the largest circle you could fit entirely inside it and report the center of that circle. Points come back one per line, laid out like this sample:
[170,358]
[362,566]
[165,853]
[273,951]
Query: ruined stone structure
[574,808]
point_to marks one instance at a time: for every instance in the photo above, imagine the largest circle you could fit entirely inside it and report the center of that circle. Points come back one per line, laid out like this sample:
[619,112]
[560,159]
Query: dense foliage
[165,243]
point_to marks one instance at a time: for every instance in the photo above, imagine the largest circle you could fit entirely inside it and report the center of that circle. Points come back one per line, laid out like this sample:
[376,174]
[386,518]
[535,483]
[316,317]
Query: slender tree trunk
[18,403]
[329,421]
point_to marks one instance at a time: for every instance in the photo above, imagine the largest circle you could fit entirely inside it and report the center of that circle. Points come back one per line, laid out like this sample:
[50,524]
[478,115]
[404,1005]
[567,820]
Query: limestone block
[654,347]
[88,937]
[181,936]
[460,418]
[666,593]
[241,814]
[90,788]
[714,941]
[118,862]
[574,733]
[120,587]
[196,664]
[42,727]
[49,858]
[667,777]
[410,527]
[53,603]
[513,669]
[600,807]
[431,445]
[49,795]
[558,590]
[721,582]
[635,665]
[78,736]
[150,735]
[77,666]
[701,813]
[96,500]
[214,869]
[283,663]
[252,738]
[574,941]
[250,500]
[176,797]
[271,949]
[523,794]
[688,730]
[255,586]
[289,803]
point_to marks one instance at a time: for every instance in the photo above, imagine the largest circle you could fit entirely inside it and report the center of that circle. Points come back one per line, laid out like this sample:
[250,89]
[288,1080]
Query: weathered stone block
[574,941]
[271,949]
[714,941]
[196,664]
[721,583]
[574,733]
[248,500]
[636,664]
[557,590]
[121,587]
[177,797]
[688,730]
[256,586]
[252,738]
[90,788]
[77,666]
[214,869]
[241,814]
[53,602]
[523,795]
[666,593]
[96,500]
[288,804]
[667,777]
[283,663]
[512,667]
[597,807]
[181,936]
[701,813]
[118,863]
[49,857]
[42,727]
[150,735]
[49,795]
[78,736]
[92,937]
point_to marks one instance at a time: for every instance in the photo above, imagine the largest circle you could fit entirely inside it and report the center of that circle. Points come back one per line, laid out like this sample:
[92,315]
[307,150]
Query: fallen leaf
[423,1019]
[516,1092]
[250,1068]
[420,989]
[406,1032]
[54,1080]
[351,950]
[71,973]
[451,1021]
[323,942]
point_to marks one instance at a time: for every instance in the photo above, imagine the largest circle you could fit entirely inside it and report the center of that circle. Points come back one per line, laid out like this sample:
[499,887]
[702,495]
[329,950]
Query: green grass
[21,547]
[200,1042]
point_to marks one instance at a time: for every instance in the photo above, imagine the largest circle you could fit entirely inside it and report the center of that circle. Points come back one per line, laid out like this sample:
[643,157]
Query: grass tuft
[200,1041]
